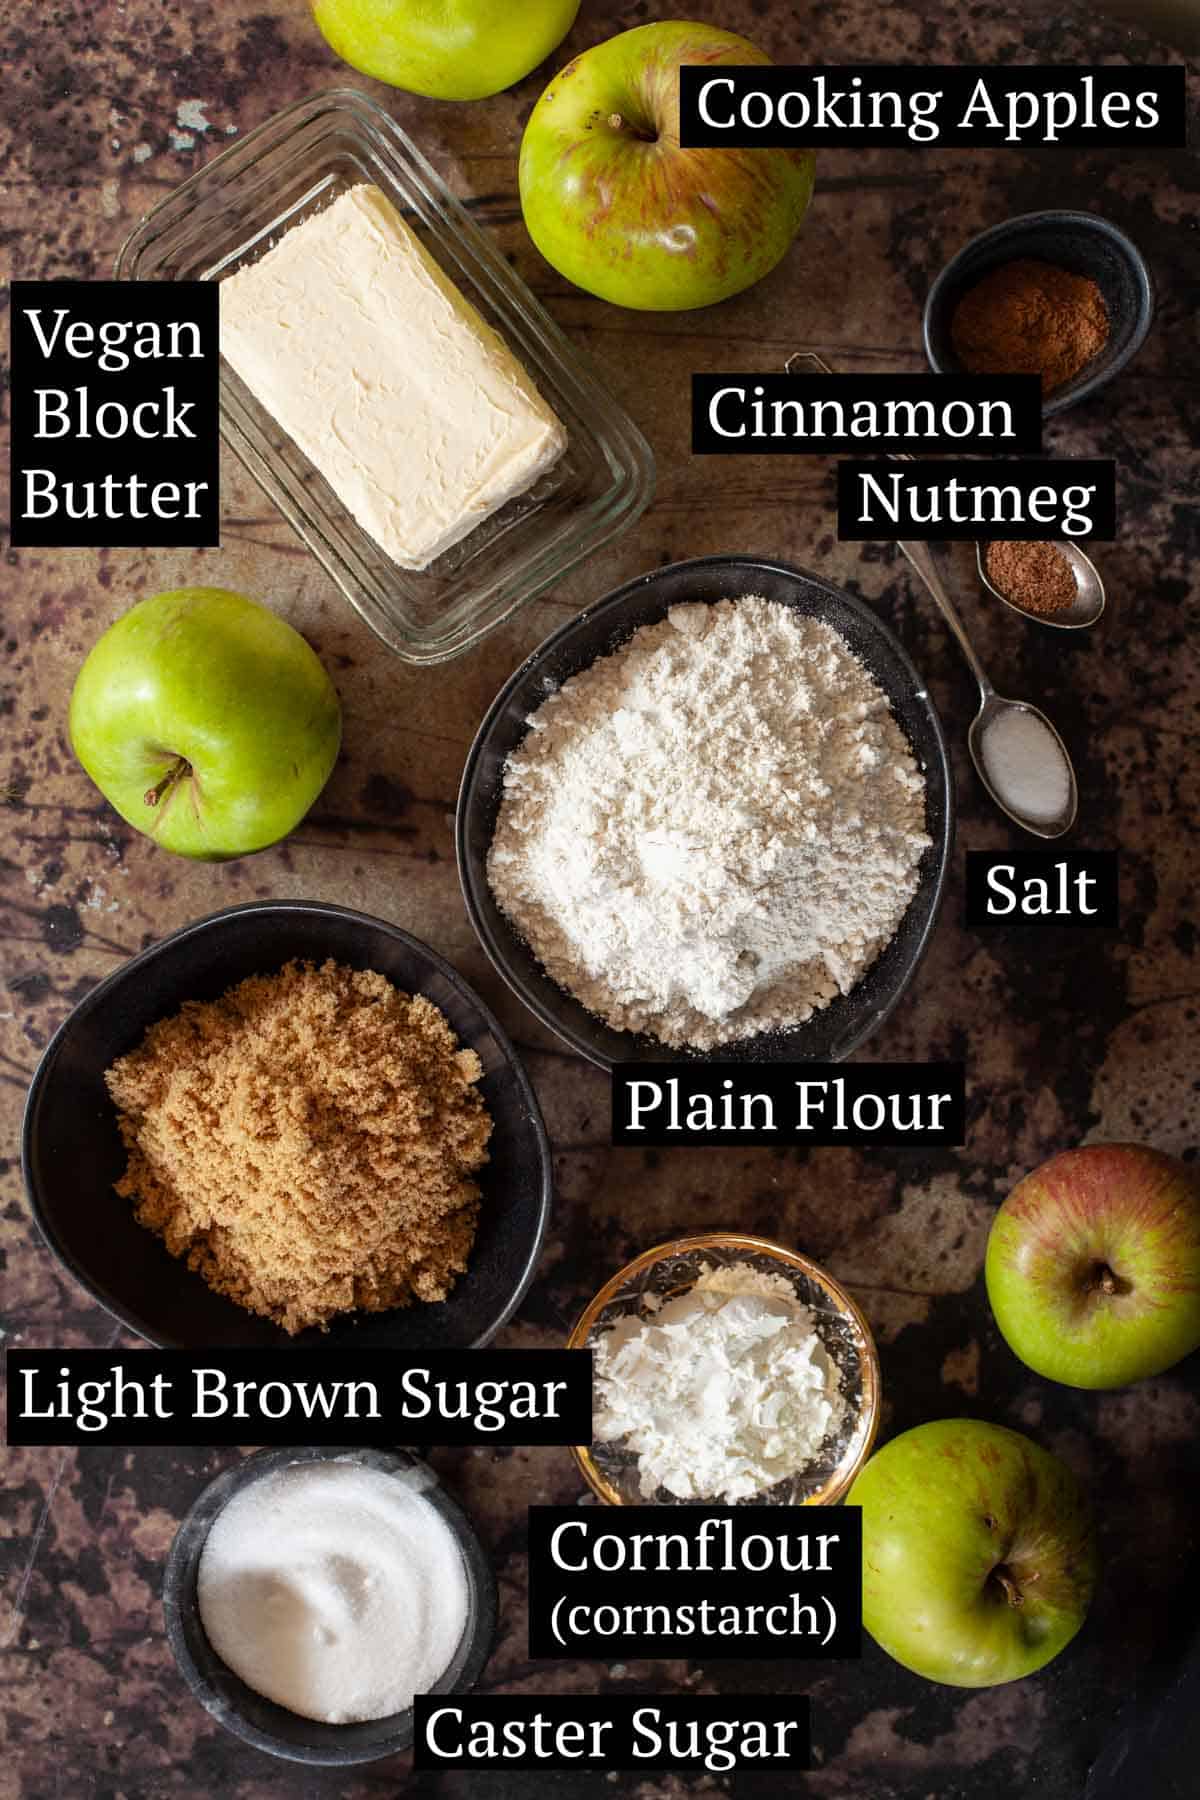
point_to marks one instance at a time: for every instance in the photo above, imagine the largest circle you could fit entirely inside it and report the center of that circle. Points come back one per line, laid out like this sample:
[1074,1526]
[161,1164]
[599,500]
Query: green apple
[978,1552]
[448,49]
[615,204]
[206,721]
[1093,1265]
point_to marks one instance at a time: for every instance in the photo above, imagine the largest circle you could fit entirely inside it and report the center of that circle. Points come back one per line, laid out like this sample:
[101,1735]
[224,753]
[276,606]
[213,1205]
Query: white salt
[1026,766]
[334,1589]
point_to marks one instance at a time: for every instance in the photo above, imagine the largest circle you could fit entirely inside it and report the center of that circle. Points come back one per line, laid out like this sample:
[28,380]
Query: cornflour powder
[714,830]
[724,1392]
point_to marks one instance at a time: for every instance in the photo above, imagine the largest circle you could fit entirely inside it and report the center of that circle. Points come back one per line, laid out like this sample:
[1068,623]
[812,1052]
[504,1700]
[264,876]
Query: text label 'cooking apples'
[956,108]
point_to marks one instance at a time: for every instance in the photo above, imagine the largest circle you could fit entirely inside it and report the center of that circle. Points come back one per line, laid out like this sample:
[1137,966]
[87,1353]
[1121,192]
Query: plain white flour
[714,830]
[724,1392]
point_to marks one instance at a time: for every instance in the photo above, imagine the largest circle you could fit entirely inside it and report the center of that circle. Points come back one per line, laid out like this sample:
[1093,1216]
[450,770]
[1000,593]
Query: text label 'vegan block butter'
[413,409]
[114,414]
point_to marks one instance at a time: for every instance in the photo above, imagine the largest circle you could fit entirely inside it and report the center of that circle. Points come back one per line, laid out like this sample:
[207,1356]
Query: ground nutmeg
[1036,577]
[1030,318]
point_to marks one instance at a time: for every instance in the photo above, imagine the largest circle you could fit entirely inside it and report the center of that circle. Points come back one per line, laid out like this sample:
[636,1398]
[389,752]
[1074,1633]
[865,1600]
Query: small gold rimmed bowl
[668,1271]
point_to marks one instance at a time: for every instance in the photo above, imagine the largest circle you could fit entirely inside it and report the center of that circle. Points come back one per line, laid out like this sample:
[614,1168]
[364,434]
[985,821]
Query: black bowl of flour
[839,1028]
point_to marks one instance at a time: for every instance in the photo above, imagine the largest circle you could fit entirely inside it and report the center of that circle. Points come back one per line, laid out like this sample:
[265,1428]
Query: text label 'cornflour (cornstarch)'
[725,1581]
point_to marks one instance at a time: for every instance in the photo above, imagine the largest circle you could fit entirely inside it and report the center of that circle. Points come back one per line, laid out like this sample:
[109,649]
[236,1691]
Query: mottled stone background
[106,105]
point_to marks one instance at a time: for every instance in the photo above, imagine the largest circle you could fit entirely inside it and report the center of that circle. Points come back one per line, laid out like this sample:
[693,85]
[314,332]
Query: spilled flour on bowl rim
[715,829]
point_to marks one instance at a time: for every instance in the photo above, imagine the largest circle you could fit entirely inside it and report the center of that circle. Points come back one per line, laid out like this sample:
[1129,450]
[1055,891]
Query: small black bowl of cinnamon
[1063,295]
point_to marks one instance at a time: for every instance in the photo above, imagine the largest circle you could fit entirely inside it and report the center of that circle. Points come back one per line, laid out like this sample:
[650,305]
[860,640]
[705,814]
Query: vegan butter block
[413,409]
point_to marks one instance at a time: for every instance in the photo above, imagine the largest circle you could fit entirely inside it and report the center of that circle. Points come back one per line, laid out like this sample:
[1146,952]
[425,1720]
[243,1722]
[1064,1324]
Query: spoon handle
[921,558]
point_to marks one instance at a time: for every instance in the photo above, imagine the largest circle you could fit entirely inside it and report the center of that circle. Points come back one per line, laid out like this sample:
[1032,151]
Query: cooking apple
[618,207]
[448,49]
[1093,1265]
[206,721]
[978,1552]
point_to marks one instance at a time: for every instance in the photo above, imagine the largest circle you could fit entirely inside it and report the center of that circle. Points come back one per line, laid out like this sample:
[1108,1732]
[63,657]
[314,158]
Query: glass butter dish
[234,209]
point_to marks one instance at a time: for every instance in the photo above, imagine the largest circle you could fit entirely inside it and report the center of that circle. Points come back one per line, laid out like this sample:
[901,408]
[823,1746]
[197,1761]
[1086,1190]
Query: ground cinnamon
[1037,577]
[1030,318]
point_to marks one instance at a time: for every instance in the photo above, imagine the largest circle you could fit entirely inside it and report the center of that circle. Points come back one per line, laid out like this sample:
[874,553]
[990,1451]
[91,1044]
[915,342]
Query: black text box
[1075,499]
[687,1732]
[114,403]
[373,1396]
[915,106]
[753,1581]
[836,415]
[722,1105]
[1042,887]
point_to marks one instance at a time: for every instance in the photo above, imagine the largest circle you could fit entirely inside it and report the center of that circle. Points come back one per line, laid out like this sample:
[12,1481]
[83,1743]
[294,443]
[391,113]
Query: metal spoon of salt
[1083,611]
[992,708]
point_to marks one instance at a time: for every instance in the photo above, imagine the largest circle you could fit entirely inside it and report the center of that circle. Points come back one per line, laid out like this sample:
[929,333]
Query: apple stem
[643,135]
[178,769]
[1012,1592]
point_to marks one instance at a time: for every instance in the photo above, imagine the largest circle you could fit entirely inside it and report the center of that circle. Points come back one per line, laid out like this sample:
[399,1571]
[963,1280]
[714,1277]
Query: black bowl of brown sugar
[316,1132]
[1064,295]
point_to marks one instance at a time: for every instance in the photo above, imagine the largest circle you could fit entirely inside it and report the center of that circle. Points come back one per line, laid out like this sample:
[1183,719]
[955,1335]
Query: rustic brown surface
[1084,1034]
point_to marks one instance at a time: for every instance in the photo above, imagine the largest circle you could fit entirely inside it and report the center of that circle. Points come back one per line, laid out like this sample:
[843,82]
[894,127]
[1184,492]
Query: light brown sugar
[307,1143]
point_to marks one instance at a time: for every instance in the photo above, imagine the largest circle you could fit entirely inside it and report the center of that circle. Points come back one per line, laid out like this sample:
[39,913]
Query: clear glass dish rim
[872,1387]
[506,293]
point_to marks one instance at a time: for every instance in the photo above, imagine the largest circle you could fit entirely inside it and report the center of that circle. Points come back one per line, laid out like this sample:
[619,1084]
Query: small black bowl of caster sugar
[310,1594]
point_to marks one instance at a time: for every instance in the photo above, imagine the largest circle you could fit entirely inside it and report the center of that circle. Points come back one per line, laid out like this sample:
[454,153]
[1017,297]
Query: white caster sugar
[334,1589]
[714,830]
[726,1391]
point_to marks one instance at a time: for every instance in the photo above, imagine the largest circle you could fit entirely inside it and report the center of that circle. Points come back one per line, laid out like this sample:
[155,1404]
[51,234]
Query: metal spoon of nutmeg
[1018,755]
[1074,613]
